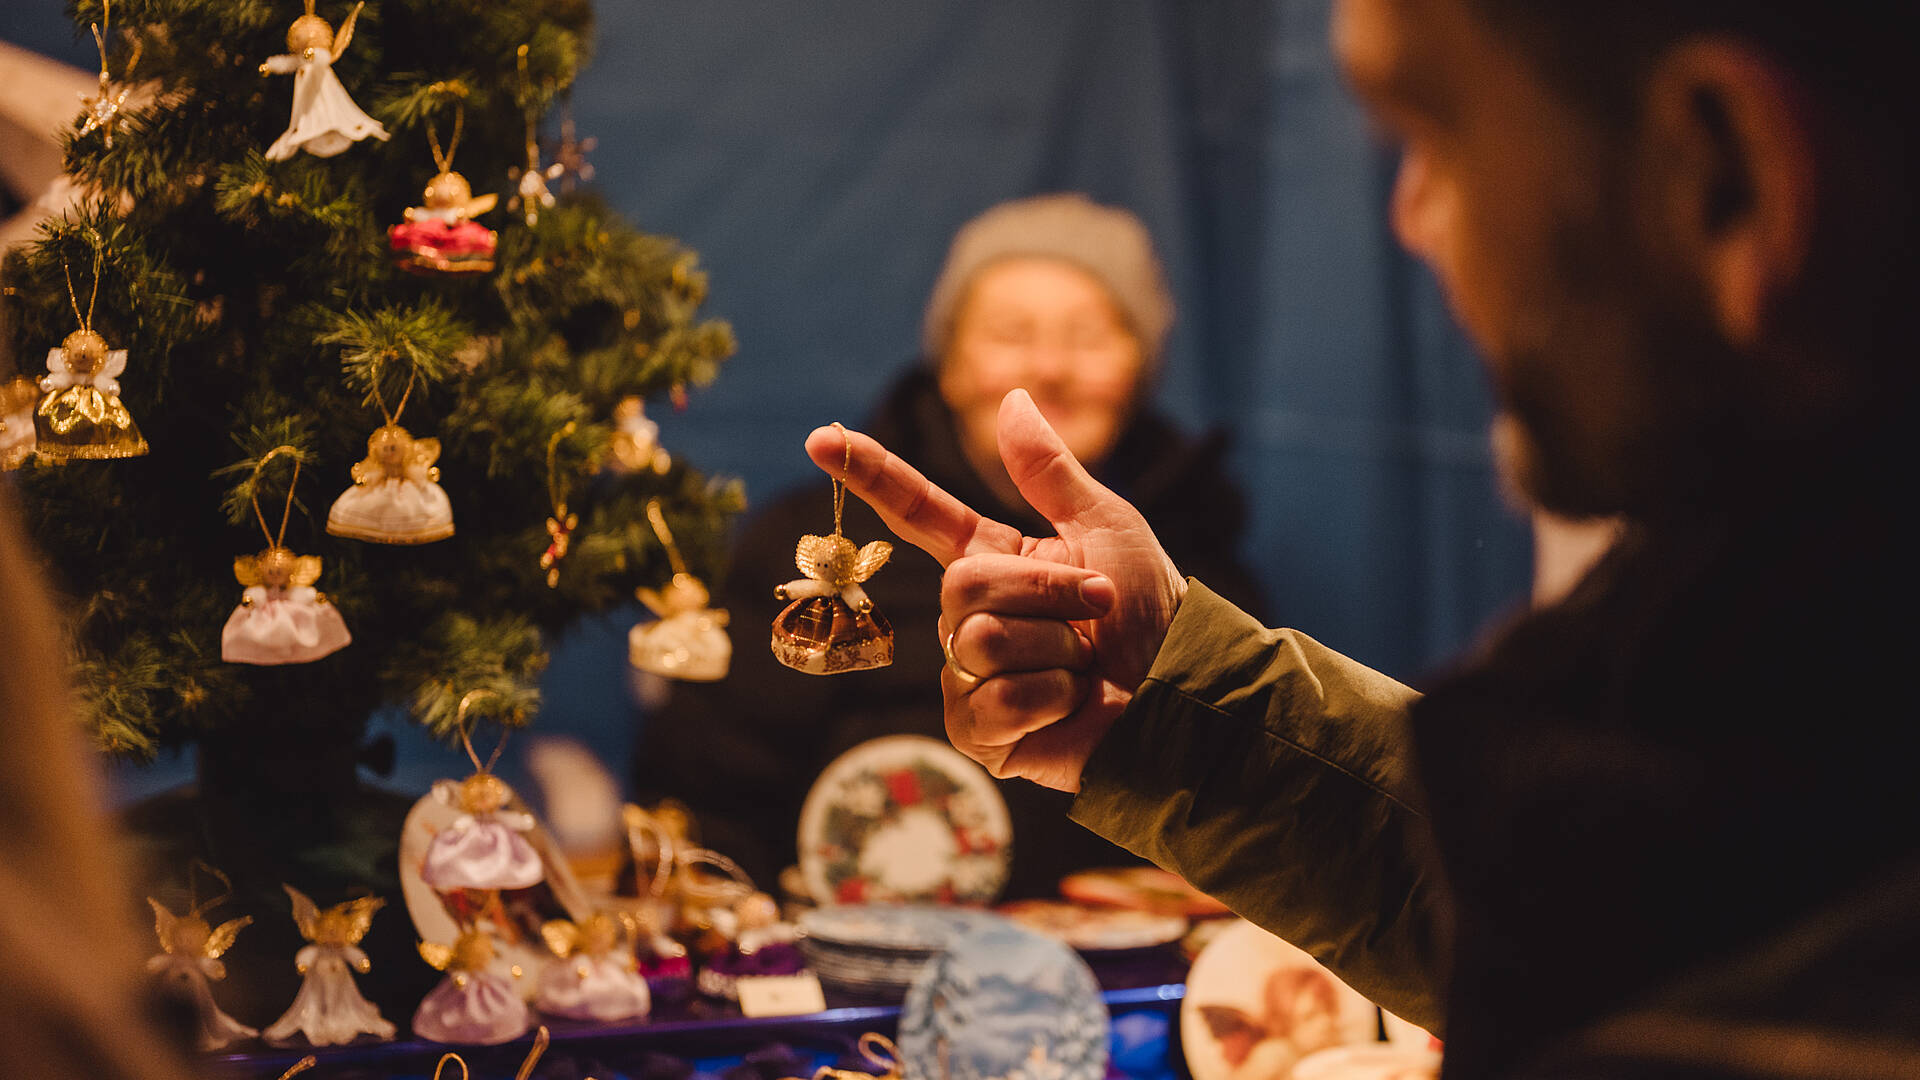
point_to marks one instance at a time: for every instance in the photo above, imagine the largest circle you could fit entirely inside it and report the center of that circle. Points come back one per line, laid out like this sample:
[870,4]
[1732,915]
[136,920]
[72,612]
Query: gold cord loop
[287,513]
[444,161]
[840,482]
[86,321]
[659,520]
[466,729]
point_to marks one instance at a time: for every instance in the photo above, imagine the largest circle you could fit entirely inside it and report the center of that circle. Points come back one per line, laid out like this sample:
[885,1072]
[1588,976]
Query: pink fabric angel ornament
[473,1004]
[281,618]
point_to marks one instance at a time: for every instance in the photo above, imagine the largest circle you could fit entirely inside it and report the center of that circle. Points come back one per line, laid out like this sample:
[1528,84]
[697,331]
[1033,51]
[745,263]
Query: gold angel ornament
[329,1010]
[281,618]
[80,415]
[689,639]
[17,439]
[474,1003]
[325,119]
[594,975]
[831,626]
[396,497]
[189,957]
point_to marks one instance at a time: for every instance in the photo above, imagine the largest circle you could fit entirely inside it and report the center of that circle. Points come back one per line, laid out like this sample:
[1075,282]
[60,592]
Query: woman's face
[1051,328]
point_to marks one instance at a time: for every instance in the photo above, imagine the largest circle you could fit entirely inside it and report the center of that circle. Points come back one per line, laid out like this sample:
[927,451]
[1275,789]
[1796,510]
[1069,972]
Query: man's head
[1678,232]
[1056,295]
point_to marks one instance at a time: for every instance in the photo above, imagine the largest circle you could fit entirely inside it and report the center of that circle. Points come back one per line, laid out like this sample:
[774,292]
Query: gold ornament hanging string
[658,518]
[444,161]
[194,907]
[840,482]
[466,729]
[86,320]
[393,416]
[275,540]
[561,525]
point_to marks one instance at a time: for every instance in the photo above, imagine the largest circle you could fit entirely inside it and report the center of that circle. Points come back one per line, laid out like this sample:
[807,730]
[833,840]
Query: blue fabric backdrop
[820,155]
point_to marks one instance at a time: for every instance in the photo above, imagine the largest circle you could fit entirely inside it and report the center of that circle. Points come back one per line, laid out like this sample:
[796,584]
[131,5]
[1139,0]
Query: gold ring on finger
[968,680]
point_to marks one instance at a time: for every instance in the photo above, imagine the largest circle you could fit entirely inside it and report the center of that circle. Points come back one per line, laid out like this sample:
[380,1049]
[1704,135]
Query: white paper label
[781,995]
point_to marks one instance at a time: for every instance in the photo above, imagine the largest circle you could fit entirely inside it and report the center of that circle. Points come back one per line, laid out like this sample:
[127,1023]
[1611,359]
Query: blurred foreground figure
[73,994]
[1664,826]
[1056,294]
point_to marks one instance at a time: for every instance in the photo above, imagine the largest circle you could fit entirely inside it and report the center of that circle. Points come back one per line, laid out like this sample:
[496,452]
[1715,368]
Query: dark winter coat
[742,753]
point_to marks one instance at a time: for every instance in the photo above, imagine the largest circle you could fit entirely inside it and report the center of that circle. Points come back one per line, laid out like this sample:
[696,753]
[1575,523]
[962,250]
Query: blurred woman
[1055,294]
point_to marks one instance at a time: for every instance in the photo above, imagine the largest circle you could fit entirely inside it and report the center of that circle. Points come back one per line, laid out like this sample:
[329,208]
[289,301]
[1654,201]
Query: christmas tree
[238,244]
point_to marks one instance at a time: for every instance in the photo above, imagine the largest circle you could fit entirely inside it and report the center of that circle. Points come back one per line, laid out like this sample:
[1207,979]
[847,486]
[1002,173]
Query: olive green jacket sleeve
[1275,775]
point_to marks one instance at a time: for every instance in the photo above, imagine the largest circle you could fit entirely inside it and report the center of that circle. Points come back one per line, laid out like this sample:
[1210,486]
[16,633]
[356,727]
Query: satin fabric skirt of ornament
[485,1011]
[294,627]
[585,988]
[325,119]
[691,646]
[83,422]
[393,512]
[476,853]
[821,635]
[329,1010]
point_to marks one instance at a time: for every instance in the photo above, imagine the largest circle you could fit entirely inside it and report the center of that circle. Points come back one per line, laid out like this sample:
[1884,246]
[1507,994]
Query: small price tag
[781,995]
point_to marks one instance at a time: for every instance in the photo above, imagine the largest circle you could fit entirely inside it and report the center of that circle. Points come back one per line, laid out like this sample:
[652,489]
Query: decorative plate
[1095,929]
[904,818]
[1004,1003]
[1377,1062]
[1256,1005]
[1142,888]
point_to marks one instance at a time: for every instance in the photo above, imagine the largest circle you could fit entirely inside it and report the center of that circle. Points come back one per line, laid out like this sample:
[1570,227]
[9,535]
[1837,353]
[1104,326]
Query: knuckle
[963,587]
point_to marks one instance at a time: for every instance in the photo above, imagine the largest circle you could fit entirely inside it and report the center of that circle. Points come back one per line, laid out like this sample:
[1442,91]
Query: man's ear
[1731,155]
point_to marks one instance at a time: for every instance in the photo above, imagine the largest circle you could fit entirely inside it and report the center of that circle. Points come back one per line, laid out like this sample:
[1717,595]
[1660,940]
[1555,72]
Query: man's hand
[1059,629]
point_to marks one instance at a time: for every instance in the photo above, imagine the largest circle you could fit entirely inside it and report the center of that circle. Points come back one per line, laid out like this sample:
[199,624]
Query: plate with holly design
[904,819]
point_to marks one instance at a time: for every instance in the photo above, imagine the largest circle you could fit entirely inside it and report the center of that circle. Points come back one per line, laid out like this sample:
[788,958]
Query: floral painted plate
[904,819]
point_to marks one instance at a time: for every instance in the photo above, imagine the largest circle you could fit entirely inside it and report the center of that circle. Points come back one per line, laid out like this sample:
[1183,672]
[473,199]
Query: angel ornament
[281,618]
[80,415]
[101,112]
[689,639]
[636,440]
[190,957]
[17,439]
[441,236]
[831,626]
[396,497]
[486,849]
[325,119]
[532,194]
[474,1003]
[329,1010]
[595,976]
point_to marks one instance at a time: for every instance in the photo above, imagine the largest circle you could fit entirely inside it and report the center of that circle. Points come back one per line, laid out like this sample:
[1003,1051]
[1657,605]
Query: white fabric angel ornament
[689,639]
[325,119]
[831,626]
[190,951]
[396,497]
[486,849]
[473,1004]
[595,976]
[636,440]
[329,1010]
[281,618]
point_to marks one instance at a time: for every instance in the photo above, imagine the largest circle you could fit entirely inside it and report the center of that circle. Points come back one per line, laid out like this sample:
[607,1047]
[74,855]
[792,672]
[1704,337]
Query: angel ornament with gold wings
[190,957]
[474,1003]
[281,618]
[689,639]
[595,975]
[325,119]
[831,626]
[396,497]
[329,1010]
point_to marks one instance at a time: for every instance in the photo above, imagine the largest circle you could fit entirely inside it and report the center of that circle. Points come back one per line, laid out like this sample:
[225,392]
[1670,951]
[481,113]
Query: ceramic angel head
[191,948]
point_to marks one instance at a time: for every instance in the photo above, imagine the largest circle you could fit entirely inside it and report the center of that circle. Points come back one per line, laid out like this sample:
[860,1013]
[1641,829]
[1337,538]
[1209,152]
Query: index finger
[914,507]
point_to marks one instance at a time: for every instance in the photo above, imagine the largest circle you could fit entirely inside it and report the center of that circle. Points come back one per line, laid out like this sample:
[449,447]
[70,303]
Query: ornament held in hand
[329,1009]
[325,119]
[190,958]
[831,626]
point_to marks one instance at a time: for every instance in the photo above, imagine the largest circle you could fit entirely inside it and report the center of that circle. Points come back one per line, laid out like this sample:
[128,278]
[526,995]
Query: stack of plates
[874,951]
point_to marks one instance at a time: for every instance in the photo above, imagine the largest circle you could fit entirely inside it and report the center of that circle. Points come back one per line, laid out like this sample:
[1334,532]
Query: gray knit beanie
[1106,241]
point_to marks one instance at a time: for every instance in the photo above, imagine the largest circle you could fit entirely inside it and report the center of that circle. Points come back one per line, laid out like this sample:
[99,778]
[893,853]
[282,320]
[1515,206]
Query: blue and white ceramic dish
[1004,1003]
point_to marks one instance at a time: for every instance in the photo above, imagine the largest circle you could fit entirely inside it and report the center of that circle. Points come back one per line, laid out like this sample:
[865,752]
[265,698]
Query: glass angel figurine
[325,119]
[190,959]
[281,618]
[396,497]
[595,976]
[473,1004]
[329,1010]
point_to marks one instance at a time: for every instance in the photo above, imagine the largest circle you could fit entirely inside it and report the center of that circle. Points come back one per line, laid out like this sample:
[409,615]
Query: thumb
[1049,477]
